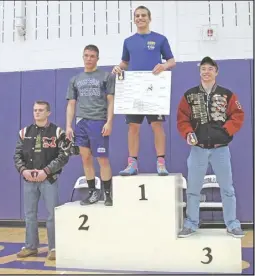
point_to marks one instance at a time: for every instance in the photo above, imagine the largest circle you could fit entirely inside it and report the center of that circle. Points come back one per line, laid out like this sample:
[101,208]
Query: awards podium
[139,233]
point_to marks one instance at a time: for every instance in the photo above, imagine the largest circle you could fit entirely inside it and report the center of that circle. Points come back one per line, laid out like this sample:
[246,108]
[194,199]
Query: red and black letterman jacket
[51,157]
[214,117]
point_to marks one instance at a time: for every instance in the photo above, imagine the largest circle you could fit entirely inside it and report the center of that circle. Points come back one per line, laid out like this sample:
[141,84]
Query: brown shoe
[52,255]
[26,252]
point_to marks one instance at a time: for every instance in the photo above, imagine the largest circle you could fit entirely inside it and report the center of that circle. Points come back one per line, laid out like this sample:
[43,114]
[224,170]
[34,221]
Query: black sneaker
[92,198]
[108,200]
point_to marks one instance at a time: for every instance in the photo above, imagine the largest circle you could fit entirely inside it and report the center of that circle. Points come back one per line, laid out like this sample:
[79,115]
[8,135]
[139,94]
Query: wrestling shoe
[131,169]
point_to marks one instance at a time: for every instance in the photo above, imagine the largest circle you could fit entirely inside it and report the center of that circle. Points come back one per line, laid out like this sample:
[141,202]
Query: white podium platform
[149,200]
[209,251]
[139,232]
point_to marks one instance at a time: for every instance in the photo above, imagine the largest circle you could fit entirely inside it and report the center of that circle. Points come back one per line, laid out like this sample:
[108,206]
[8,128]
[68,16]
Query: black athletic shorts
[138,119]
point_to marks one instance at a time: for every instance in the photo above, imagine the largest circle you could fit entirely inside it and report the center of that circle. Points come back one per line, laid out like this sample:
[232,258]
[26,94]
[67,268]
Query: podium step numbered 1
[139,232]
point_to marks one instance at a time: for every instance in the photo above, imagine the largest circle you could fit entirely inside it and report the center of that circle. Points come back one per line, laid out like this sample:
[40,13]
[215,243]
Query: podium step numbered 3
[139,232]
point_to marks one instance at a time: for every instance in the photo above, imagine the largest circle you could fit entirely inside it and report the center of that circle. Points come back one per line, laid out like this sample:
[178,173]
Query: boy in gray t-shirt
[91,93]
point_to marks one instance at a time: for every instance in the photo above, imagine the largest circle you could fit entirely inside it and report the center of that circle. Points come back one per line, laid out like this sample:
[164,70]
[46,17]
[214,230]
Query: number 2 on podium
[142,192]
[85,219]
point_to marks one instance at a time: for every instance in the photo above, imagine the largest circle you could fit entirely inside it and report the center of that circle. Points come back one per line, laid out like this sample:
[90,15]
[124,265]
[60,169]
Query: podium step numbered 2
[139,232]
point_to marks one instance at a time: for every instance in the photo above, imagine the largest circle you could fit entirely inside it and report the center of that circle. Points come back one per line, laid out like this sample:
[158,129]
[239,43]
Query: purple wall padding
[73,169]
[51,85]
[234,74]
[252,89]
[36,85]
[9,125]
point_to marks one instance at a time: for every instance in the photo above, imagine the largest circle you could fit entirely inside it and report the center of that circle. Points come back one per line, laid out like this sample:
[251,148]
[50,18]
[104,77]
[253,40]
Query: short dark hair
[92,47]
[44,103]
[208,60]
[143,8]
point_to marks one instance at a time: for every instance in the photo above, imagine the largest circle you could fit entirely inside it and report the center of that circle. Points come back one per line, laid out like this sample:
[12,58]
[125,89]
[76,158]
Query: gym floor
[12,239]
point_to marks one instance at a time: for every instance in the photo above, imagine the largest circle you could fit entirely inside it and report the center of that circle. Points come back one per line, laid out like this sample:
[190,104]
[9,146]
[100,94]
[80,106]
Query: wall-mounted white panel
[54,28]
[65,24]
[9,21]
[125,17]
[229,12]
[31,20]
[42,20]
[2,21]
[216,14]
[112,18]
[100,17]
[77,17]
[88,22]
[53,20]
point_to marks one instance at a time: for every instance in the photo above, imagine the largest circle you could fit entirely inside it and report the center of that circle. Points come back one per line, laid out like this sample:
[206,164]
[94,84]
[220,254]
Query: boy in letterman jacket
[39,159]
[208,116]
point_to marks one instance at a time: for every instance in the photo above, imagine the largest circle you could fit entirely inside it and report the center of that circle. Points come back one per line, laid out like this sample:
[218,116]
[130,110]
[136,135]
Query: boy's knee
[103,161]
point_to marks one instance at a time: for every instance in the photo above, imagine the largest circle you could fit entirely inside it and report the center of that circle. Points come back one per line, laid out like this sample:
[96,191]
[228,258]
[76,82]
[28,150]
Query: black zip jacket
[38,148]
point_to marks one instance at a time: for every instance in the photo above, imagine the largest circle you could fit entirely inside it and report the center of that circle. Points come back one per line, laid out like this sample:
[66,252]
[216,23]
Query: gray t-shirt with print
[90,90]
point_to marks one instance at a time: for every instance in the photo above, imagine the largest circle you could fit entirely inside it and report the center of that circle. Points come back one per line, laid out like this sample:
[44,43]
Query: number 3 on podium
[208,254]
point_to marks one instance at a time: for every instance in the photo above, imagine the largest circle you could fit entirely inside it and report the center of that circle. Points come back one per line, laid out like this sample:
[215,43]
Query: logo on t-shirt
[89,87]
[151,45]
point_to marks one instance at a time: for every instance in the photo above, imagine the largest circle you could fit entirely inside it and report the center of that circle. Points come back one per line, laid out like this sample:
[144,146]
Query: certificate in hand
[141,92]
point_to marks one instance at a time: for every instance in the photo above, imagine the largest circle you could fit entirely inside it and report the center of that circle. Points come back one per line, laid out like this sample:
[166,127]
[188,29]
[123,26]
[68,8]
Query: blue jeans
[32,193]
[198,161]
